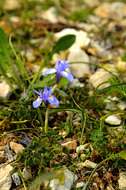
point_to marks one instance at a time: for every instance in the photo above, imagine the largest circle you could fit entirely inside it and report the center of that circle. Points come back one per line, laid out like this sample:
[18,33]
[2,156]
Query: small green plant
[41,152]
[117,87]
[80,15]
[99,140]
[13,71]
[46,95]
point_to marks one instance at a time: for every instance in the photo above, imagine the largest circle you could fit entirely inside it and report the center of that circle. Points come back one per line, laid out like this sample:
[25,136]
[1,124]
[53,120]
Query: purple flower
[61,70]
[45,96]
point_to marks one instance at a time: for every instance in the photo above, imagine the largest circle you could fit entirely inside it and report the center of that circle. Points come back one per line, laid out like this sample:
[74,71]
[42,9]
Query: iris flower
[61,70]
[47,97]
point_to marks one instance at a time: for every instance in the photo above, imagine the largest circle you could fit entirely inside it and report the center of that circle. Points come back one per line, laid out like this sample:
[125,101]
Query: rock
[30,55]
[80,184]
[16,179]
[17,148]
[78,55]
[80,70]
[50,15]
[2,147]
[111,103]
[83,157]
[2,157]
[16,22]
[121,66]
[69,179]
[5,177]
[4,89]
[121,105]
[87,164]
[71,145]
[116,132]
[122,181]
[113,120]
[82,39]
[109,187]
[8,153]
[110,106]
[27,173]
[92,3]
[81,148]
[10,5]
[76,83]
[99,79]
[100,49]
[115,10]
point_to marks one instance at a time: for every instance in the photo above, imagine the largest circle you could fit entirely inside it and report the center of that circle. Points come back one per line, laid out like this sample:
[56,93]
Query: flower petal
[61,65]
[39,93]
[46,93]
[53,101]
[48,72]
[67,75]
[37,102]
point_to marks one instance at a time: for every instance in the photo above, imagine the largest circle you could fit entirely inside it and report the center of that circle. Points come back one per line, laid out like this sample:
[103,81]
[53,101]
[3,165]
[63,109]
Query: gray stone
[16,179]
[113,120]
[99,79]
[80,70]
[5,177]
[4,89]
[122,181]
[69,179]
[10,5]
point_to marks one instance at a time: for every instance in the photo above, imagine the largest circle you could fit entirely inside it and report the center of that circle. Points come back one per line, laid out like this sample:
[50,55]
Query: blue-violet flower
[61,70]
[47,97]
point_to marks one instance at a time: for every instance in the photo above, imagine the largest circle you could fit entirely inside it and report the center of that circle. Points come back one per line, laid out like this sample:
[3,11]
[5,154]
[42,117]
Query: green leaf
[47,81]
[4,50]
[6,64]
[122,154]
[12,70]
[64,43]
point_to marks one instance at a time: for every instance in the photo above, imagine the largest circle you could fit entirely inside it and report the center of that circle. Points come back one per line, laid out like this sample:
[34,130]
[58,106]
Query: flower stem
[46,120]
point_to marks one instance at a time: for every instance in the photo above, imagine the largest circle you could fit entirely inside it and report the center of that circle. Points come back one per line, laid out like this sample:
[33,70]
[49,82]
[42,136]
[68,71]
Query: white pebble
[113,120]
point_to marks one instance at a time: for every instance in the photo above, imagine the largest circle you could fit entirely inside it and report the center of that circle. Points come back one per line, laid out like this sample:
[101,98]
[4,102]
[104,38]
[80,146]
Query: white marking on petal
[48,72]
[67,75]
[37,102]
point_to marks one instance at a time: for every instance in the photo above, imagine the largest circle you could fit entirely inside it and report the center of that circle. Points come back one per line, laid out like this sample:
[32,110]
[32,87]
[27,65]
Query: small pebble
[80,184]
[16,179]
[5,177]
[99,79]
[81,148]
[17,148]
[71,145]
[78,55]
[10,5]
[50,15]
[113,120]
[27,173]
[80,70]
[87,164]
[4,89]
[122,181]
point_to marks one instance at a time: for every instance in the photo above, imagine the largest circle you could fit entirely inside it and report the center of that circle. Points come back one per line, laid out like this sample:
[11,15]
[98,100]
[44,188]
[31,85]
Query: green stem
[83,126]
[46,120]
[40,117]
